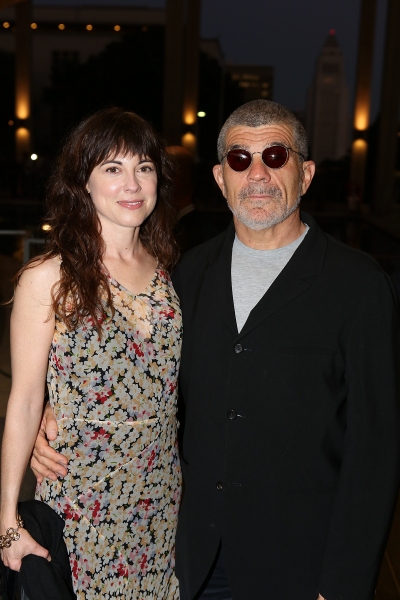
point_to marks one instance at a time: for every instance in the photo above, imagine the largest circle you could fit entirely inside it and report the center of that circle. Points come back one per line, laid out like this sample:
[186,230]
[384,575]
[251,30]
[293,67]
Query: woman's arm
[32,328]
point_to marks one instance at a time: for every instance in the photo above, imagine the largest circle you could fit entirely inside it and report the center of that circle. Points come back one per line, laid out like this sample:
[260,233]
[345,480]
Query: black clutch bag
[40,579]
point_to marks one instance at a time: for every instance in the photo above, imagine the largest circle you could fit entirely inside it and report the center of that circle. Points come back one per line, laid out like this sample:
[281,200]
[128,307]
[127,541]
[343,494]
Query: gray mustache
[272,191]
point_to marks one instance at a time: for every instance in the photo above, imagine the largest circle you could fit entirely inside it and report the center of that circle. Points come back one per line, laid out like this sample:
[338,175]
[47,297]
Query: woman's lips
[131,204]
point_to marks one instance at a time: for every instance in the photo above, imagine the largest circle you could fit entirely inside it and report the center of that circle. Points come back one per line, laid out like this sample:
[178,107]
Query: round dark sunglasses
[274,157]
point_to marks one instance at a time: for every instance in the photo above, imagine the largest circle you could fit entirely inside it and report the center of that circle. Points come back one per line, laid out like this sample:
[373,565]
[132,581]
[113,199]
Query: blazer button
[238,348]
[219,485]
[231,414]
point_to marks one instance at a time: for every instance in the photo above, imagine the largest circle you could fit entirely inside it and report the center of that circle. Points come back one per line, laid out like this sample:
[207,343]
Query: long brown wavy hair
[75,235]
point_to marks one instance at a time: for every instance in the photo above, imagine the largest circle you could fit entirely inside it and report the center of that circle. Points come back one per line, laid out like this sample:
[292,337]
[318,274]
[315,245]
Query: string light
[117,28]
[33,25]
[201,113]
[61,26]
[6,25]
[89,27]
[34,156]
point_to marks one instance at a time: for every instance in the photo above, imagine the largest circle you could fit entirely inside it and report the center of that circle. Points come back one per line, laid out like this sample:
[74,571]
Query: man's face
[261,197]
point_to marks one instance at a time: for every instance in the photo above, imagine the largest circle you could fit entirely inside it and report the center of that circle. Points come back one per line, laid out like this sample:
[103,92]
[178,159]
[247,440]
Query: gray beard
[276,214]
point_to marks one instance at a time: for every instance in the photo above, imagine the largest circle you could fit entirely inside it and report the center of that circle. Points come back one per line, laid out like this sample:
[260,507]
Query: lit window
[117,28]
[89,27]
[33,25]
[61,26]
[6,25]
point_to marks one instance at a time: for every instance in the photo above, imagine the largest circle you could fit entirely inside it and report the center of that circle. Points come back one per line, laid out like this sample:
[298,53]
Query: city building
[63,38]
[62,33]
[255,81]
[328,118]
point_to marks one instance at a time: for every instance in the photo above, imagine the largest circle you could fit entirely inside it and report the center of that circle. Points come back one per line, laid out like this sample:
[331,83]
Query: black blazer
[290,451]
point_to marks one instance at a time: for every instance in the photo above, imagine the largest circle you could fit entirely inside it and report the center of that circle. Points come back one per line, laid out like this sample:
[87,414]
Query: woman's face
[123,190]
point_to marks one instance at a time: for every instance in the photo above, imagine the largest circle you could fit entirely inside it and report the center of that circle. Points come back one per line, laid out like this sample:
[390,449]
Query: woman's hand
[13,555]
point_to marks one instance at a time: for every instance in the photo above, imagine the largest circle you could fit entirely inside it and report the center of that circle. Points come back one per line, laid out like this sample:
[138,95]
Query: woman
[97,312]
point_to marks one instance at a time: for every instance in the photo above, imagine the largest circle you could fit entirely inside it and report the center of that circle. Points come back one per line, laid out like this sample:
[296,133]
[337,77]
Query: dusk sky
[286,34]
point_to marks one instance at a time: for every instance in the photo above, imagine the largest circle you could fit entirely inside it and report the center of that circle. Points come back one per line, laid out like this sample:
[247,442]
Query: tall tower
[328,105]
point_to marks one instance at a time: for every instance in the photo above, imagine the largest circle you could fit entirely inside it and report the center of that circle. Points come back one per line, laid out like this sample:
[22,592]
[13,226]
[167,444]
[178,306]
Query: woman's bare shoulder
[40,277]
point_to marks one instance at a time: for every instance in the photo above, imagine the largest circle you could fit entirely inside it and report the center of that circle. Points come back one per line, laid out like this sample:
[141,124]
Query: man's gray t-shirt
[254,271]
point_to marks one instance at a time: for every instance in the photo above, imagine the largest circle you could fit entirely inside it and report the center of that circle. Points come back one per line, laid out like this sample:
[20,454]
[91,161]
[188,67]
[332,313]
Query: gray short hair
[264,112]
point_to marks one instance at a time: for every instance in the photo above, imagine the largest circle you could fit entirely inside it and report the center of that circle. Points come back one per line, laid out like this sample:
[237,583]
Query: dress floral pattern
[115,403]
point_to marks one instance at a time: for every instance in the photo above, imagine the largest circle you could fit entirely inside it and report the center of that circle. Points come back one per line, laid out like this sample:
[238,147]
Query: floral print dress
[115,403]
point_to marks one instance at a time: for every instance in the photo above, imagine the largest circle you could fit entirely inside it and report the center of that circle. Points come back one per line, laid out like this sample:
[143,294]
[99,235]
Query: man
[290,452]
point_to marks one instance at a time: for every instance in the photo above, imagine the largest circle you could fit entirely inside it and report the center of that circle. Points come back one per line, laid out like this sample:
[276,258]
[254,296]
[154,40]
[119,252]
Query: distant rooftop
[331,40]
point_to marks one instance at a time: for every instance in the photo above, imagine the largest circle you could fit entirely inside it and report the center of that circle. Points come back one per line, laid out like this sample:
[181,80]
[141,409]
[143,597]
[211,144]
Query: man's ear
[308,167]
[219,178]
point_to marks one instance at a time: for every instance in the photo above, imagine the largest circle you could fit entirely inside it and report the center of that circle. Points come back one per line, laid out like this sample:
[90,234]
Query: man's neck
[273,237]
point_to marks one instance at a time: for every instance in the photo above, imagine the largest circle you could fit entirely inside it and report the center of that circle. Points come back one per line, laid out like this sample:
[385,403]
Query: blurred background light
[22,105]
[189,118]
[189,141]
[361,117]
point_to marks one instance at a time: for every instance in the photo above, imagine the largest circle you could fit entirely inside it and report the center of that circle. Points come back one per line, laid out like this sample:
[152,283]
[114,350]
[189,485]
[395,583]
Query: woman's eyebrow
[117,162]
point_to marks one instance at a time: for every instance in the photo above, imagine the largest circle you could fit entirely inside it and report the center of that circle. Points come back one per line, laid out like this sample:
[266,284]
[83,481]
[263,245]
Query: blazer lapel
[216,290]
[297,277]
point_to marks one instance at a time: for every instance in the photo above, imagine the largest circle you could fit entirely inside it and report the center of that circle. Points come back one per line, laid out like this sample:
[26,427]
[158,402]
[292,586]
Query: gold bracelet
[12,534]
